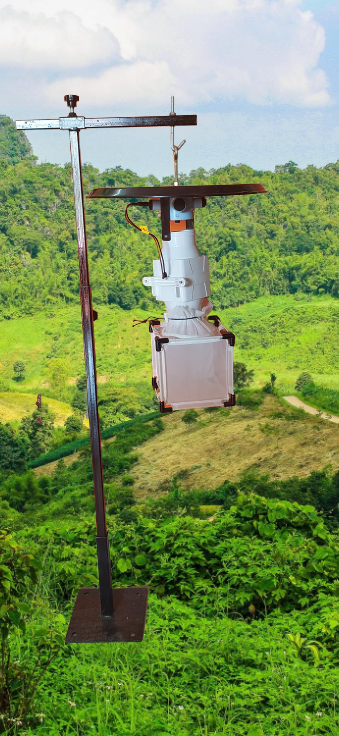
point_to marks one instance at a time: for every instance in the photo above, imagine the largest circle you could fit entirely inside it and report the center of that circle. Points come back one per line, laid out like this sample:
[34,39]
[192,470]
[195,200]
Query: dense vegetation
[241,633]
[283,242]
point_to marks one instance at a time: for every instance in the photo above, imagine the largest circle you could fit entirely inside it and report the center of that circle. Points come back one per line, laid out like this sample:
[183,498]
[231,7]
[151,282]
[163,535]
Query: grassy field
[15,405]
[283,334]
[274,439]
[224,444]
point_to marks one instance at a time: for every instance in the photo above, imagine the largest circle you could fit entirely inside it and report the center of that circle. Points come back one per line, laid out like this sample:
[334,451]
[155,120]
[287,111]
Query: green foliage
[119,498]
[250,399]
[302,381]
[39,436]
[58,371]
[241,375]
[14,144]
[261,576]
[19,370]
[78,444]
[326,398]
[21,618]
[283,242]
[73,425]
[79,401]
[13,449]
[26,491]
[190,416]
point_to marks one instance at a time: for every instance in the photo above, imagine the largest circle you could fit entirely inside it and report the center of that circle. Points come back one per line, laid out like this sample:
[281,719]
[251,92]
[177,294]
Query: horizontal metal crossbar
[76,123]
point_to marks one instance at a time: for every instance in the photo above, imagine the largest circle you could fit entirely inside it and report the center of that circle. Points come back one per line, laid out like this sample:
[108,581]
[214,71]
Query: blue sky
[262,76]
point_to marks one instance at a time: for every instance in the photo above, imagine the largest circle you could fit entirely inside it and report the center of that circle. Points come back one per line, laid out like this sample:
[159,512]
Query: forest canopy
[282,242]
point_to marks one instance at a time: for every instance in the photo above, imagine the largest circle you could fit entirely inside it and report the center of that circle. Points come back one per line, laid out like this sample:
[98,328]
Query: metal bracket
[168,281]
[71,123]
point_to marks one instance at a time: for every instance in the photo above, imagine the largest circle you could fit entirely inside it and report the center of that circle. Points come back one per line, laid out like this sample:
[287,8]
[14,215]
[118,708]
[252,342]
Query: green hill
[283,242]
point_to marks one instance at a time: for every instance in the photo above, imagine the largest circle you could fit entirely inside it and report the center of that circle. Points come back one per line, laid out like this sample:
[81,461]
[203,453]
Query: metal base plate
[87,625]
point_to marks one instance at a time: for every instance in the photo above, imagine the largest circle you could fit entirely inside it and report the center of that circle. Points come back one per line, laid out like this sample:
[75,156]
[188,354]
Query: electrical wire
[146,231]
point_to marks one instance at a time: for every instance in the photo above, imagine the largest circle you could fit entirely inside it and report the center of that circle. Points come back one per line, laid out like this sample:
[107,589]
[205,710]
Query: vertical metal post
[104,562]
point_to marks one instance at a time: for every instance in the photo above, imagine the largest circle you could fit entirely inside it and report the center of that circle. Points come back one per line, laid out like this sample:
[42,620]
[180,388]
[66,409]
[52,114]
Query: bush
[241,376]
[250,399]
[302,381]
[190,416]
[13,449]
[39,434]
[73,424]
[19,370]
[19,678]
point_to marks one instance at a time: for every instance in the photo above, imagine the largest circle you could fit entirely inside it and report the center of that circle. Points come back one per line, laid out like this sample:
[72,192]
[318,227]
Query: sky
[261,75]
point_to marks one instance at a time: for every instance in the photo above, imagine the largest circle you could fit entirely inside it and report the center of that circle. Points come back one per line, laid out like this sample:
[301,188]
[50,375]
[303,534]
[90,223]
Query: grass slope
[287,335]
[14,406]
[222,445]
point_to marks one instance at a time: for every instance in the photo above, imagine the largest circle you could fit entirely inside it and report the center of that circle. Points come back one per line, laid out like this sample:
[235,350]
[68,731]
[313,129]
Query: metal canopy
[210,190]
[104,614]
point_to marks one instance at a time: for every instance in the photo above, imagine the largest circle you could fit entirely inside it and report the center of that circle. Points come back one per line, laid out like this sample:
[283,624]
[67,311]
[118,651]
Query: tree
[19,369]
[289,168]
[302,381]
[13,449]
[79,401]
[73,424]
[241,376]
[14,144]
[39,436]
[59,371]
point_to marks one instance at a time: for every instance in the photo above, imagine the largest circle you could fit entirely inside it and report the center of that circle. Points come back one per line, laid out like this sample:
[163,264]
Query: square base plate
[87,625]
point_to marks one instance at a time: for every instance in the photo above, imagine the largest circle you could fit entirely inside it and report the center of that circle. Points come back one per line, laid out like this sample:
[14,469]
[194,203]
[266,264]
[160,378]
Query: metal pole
[104,562]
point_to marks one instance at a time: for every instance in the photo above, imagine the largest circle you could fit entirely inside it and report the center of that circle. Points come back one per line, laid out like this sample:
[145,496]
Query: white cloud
[36,41]
[258,51]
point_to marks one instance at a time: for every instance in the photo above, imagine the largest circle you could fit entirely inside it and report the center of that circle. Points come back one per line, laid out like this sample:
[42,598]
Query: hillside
[283,242]
[282,334]
[272,440]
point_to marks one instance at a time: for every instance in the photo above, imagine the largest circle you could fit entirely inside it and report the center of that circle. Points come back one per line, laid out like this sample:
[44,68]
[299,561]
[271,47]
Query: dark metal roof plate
[211,190]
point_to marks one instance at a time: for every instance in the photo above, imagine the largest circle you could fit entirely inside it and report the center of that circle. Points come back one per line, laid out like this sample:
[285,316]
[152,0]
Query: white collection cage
[192,372]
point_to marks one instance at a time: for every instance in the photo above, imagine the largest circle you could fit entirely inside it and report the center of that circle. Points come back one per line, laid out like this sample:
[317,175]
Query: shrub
[250,399]
[19,370]
[190,416]
[19,679]
[302,381]
[39,435]
[73,424]
[13,449]
[241,375]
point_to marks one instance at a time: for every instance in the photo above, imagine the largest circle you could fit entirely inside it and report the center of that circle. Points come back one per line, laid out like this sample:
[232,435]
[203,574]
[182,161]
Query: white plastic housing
[192,372]
[193,366]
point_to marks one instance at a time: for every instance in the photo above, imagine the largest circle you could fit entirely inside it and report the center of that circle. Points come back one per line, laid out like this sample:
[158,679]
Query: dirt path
[294,401]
